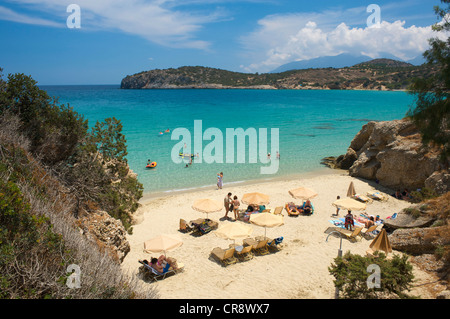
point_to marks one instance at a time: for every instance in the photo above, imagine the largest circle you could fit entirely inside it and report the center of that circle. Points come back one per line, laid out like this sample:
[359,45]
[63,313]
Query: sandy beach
[299,270]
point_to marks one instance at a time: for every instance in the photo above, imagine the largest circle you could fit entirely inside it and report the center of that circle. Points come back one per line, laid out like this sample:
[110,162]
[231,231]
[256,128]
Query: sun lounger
[351,234]
[275,244]
[201,228]
[362,198]
[377,196]
[243,253]
[367,232]
[259,245]
[292,211]
[278,210]
[184,227]
[151,273]
[225,256]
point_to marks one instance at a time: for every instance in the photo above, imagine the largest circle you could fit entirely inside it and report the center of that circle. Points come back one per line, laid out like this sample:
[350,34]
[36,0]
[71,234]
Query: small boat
[186,155]
[160,134]
[151,165]
[167,131]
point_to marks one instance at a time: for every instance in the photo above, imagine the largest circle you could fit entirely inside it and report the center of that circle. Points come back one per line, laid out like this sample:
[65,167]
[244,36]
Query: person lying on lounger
[163,263]
[294,208]
[307,207]
[370,222]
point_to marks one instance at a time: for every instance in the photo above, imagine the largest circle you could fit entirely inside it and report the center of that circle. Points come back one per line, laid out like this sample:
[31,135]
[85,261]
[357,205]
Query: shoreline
[149,196]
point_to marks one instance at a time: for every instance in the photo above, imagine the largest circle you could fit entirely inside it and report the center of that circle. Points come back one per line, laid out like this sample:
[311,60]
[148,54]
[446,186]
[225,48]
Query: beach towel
[337,223]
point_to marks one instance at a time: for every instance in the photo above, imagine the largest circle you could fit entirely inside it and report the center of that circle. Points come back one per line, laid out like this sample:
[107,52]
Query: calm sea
[311,125]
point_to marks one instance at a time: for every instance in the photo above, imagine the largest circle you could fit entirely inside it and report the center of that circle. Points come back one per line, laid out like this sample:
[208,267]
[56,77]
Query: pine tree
[432,107]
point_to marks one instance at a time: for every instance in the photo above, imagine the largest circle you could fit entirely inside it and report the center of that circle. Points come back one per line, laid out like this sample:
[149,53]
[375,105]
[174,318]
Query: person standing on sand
[337,208]
[236,205]
[349,221]
[220,180]
[227,202]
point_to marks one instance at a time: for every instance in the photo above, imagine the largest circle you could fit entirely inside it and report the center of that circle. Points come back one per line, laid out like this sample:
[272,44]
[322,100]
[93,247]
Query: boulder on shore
[392,153]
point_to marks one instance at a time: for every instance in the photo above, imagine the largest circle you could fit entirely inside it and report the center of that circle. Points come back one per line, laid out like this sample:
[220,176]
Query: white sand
[299,270]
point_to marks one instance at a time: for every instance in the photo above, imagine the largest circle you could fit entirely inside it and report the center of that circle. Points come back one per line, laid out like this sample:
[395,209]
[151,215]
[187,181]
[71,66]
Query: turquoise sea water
[312,125]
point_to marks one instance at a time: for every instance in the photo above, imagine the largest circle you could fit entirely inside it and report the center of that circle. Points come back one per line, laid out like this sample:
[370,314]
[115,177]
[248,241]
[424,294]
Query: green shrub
[350,273]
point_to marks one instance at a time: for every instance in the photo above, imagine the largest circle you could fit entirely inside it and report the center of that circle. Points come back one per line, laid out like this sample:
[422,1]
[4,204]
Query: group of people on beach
[231,205]
[405,195]
[349,219]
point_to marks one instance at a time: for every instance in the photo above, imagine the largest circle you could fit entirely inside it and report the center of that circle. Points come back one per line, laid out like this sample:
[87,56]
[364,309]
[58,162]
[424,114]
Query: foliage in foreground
[52,169]
[431,112]
[351,276]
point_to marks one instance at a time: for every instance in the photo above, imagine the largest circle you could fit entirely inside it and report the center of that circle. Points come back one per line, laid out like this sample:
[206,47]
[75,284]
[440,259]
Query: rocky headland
[391,154]
[378,74]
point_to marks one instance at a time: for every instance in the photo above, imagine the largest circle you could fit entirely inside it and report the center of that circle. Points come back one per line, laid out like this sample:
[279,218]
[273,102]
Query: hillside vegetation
[379,74]
[53,171]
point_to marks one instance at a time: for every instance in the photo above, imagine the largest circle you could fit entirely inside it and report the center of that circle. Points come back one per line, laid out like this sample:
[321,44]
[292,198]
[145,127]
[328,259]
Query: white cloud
[153,20]
[280,39]
[10,15]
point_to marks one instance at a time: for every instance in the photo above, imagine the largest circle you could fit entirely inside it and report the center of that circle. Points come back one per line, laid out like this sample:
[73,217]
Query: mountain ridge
[339,61]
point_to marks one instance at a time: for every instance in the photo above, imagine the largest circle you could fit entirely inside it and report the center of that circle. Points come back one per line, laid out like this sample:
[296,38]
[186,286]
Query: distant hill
[339,61]
[384,63]
[378,74]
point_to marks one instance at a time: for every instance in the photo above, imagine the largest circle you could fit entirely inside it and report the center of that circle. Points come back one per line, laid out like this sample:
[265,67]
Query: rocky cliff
[392,153]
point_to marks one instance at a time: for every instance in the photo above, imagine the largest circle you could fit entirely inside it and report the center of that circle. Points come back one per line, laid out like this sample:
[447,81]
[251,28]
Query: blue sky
[123,37]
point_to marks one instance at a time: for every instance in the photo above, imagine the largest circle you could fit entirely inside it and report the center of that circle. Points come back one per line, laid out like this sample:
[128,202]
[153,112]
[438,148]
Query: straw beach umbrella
[207,206]
[349,204]
[302,193]
[351,190]
[255,198]
[381,242]
[234,231]
[162,243]
[266,220]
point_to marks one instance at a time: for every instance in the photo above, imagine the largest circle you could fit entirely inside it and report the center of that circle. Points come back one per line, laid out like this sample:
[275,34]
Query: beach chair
[362,198]
[261,246]
[250,242]
[377,196]
[184,227]
[201,229]
[278,210]
[275,244]
[366,232]
[291,212]
[225,256]
[151,273]
[245,253]
[351,235]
